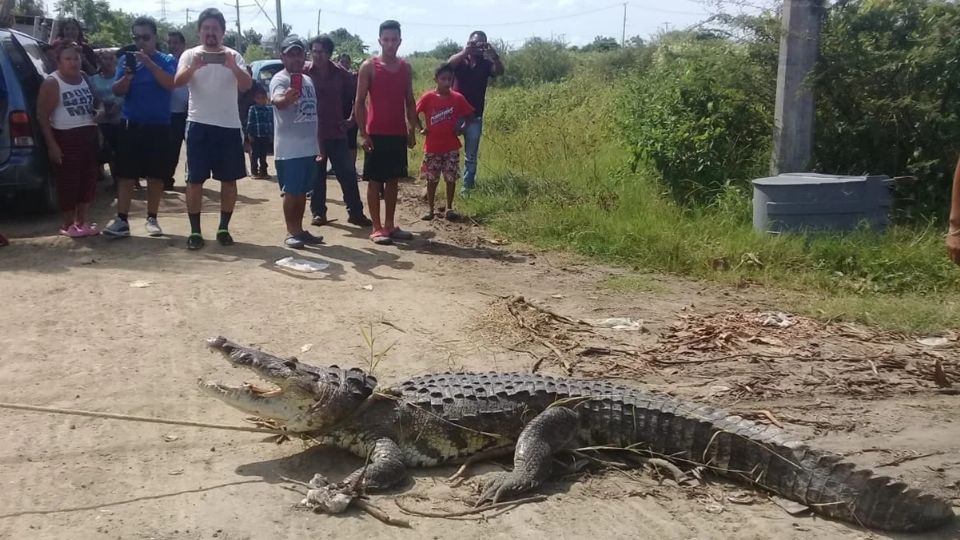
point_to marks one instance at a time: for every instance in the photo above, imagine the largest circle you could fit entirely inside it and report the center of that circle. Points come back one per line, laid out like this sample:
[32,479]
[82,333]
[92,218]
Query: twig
[131,418]
[470,511]
[769,415]
[679,476]
[905,459]
[380,514]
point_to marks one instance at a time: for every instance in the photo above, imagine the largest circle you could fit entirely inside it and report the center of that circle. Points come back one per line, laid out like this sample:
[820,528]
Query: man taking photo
[213,73]
[473,67]
[144,78]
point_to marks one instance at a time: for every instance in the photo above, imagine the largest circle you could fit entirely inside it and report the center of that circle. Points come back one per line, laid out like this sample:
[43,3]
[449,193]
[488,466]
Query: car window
[36,55]
[267,72]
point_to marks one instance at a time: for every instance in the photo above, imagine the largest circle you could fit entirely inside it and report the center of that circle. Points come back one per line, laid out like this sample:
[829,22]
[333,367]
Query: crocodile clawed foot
[502,486]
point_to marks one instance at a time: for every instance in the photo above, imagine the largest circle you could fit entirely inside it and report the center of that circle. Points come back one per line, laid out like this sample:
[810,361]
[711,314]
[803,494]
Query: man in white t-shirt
[214,136]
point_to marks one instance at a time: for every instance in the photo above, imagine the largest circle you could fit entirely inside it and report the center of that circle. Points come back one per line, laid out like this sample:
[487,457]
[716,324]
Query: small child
[446,113]
[260,132]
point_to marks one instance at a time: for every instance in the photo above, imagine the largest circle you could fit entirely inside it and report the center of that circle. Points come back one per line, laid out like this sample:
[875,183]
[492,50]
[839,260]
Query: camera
[129,59]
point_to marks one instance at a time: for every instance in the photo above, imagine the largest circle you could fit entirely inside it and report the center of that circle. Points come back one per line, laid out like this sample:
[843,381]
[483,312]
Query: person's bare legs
[390,202]
[373,204]
[195,198]
[228,196]
[124,195]
[432,194]
[293,208]
[154,194]
[82,212]
[451,187]
[69,217]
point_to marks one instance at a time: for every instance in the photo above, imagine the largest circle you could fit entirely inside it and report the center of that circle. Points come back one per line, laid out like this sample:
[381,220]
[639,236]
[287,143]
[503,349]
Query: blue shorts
[296,175]
[216,151]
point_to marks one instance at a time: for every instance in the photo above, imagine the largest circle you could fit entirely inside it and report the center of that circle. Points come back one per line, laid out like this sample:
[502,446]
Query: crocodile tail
[766,456]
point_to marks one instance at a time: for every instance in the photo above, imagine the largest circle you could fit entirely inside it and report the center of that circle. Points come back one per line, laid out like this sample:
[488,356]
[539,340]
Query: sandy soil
[76,334]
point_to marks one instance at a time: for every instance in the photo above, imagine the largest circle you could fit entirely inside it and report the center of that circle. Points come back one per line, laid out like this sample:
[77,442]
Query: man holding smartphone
[214,138]
[473,67]
[144,78]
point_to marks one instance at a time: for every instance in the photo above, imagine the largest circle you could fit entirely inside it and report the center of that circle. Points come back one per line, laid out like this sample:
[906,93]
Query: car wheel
[44,200]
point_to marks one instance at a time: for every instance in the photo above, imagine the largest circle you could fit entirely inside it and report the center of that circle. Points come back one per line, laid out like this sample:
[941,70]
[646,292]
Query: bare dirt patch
[76,334]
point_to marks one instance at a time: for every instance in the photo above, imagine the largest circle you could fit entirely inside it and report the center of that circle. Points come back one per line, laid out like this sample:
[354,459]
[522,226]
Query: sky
[427,22]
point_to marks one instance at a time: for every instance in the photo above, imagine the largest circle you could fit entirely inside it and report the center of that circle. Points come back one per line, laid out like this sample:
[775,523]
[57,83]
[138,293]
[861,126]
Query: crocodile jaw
[276,405]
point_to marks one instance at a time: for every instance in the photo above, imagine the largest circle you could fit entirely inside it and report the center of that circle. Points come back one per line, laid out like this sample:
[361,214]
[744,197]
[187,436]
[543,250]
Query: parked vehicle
[264,70]
[24,167]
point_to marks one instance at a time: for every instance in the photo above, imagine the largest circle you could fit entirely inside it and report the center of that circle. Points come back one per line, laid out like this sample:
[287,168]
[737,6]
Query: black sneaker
[360,221]
[195,241]
[223,236]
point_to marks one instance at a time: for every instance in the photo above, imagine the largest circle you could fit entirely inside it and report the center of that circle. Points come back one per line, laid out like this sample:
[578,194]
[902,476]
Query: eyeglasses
[141,37]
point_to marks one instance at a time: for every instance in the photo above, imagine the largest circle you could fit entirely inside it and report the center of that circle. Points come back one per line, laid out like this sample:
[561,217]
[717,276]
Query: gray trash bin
[798,202]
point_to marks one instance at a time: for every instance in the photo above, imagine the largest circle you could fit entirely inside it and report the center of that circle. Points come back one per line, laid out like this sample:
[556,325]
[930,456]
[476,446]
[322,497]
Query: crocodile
[447,418]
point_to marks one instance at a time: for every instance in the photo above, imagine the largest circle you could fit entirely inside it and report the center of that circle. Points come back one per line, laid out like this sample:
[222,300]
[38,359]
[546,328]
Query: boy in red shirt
[446,112]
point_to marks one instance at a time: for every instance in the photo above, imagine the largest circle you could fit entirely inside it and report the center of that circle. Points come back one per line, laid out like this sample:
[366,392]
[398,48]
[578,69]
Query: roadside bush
[701,115]
[538,61]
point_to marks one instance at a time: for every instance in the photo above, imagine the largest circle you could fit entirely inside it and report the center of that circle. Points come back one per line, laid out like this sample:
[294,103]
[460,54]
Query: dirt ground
[118,326]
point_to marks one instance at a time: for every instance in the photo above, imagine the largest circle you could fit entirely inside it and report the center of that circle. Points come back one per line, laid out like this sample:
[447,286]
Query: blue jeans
[471,145]
[338,152]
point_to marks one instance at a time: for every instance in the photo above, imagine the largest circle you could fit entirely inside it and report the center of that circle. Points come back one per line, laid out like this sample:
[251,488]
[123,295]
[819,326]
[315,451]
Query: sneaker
[452,216]
[427,216]
[319,221]
[117,228]
[195,241]
[308,238]
[399,234]
[153,227]
[381,237]
[360,221]
[72,232]
[223,236]
[293,242]
[89,229]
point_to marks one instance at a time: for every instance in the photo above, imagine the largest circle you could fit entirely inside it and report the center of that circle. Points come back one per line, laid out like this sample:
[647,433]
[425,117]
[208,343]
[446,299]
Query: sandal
[452,216]
[223,236]
[428,216]
[89,229]
[72,232]
[3,241]
[381,237]
[195,241]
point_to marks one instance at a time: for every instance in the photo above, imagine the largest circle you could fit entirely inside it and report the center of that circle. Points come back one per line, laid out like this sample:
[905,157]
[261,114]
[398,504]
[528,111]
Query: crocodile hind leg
[548,433]
[384,469]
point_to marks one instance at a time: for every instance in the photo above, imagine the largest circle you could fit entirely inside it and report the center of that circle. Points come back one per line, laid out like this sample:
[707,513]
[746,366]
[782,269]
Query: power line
[511,23]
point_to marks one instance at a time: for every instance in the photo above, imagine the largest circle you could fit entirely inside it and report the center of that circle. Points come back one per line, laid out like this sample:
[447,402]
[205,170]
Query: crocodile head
[305,398]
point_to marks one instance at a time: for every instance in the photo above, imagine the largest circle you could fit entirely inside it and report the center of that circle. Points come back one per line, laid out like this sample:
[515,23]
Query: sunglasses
[141,37]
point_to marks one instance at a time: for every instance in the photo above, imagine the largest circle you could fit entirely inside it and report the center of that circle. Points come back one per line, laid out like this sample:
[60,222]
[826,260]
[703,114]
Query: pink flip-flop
[72,231]
[89,229]
[381,236]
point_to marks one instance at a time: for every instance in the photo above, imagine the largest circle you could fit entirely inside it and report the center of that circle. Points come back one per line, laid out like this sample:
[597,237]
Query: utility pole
[163,10]
[795,107]
[623,31]
[239,32]
[279,27]
[318,21]
[187,20]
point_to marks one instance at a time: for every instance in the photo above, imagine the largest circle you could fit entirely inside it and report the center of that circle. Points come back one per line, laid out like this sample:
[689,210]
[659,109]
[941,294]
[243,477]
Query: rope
[131,418]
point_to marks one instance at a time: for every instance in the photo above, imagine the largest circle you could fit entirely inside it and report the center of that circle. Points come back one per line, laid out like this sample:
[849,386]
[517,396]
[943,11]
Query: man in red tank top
[387,123]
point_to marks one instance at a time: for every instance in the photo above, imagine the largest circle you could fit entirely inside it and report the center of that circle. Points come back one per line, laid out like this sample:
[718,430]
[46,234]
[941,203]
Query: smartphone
[296,81]
[129,60]
[214,58]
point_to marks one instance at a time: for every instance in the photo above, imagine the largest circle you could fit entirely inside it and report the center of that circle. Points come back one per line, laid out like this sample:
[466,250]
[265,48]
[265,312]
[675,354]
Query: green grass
[553,174]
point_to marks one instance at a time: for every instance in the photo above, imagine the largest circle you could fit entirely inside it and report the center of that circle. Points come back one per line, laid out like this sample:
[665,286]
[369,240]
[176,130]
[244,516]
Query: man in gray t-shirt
[295,143]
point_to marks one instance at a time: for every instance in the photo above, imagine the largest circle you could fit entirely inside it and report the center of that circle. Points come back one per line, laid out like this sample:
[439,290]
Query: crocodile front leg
[385,468]
[548,433]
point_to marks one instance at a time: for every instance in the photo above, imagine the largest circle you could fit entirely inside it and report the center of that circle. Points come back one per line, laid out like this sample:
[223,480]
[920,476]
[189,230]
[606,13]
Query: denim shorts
[296,175]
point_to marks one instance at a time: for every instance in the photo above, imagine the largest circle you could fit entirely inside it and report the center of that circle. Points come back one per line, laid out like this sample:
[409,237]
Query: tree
[602,44]
[272,41]
[255,52]
[445,49]
[252,37]
[348,43]
[29,8]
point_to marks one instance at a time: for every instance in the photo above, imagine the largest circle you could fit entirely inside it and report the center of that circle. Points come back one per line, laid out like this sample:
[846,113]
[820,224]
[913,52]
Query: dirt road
[118,326]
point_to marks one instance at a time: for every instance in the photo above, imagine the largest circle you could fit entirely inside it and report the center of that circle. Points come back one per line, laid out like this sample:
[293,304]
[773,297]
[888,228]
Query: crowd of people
[133,110]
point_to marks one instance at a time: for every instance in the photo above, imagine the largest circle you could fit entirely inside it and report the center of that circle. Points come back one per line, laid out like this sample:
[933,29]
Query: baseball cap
[290,42]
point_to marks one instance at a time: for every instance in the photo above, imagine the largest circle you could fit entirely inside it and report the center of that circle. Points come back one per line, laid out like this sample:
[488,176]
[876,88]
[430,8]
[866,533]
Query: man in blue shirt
[145,78]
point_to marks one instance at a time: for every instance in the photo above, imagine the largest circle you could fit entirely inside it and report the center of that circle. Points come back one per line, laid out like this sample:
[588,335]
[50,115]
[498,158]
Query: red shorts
[447,164]
[77,173]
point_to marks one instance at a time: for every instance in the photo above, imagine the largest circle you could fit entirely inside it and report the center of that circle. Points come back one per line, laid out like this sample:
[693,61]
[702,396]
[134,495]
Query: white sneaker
[153,227]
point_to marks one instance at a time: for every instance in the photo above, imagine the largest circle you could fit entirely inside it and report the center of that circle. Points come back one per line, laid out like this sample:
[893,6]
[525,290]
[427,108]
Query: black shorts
[388,160]
[143,151]
[214,151]
[352,137]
